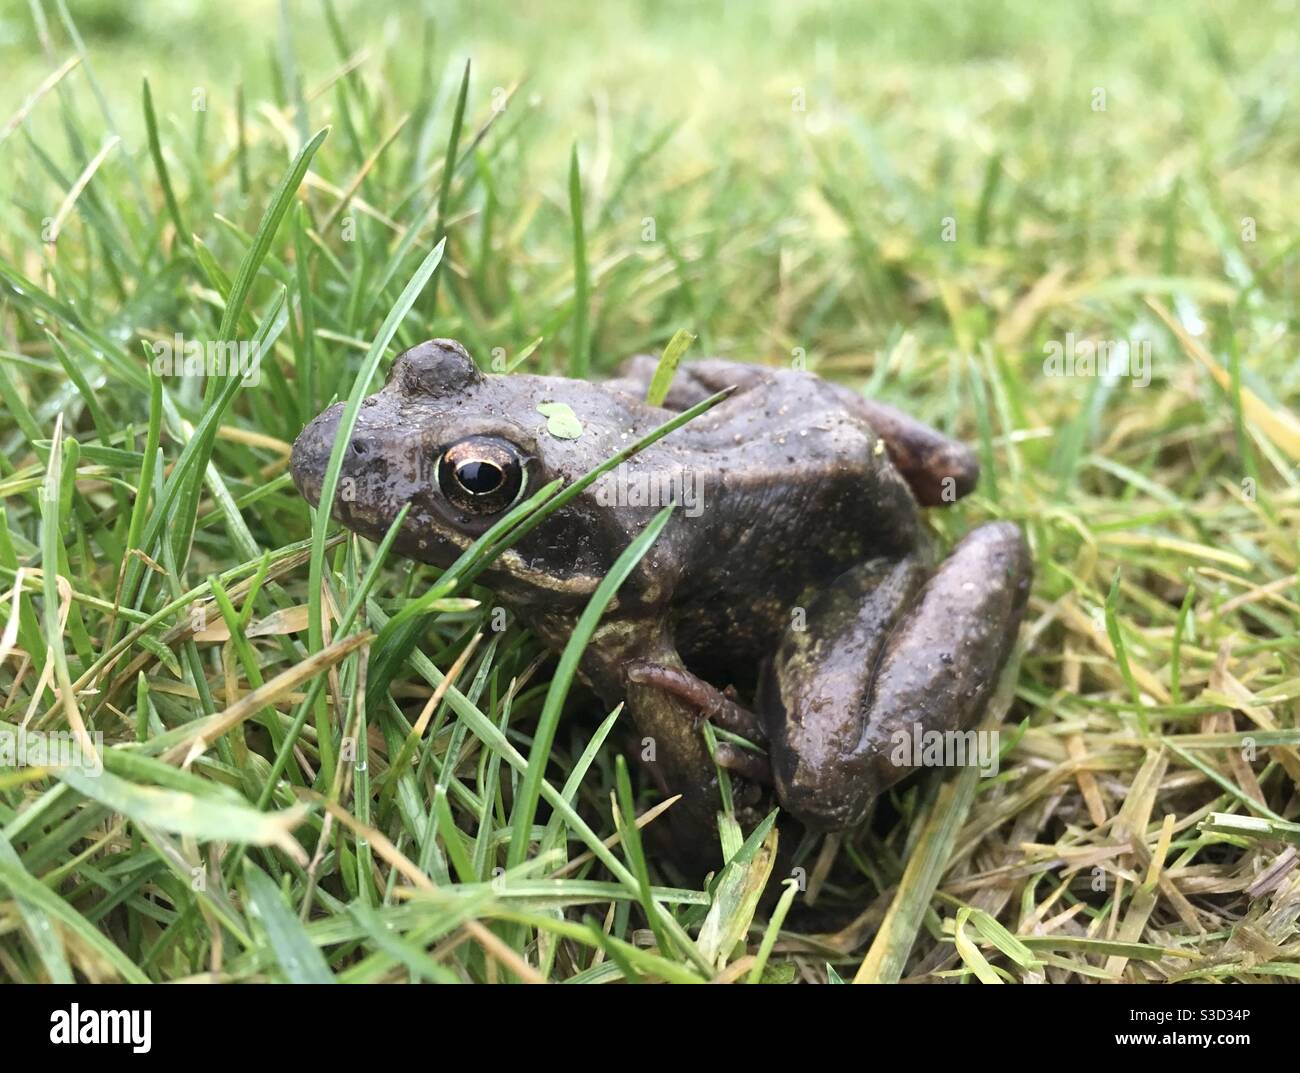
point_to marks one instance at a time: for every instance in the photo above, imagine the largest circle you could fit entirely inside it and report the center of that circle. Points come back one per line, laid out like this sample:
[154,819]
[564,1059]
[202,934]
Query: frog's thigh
[840,700]
[815,692]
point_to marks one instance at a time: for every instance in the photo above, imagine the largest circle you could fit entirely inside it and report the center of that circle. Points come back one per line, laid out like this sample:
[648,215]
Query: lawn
[1066,234]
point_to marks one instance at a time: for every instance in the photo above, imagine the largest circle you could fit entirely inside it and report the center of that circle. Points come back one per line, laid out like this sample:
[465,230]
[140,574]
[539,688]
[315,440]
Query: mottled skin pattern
[806,579]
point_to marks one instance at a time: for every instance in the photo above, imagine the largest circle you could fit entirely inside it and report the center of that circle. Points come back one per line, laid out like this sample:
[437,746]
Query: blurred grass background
[918,199]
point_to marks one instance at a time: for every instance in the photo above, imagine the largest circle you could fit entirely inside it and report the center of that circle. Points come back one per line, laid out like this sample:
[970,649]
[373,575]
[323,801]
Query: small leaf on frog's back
[561,421]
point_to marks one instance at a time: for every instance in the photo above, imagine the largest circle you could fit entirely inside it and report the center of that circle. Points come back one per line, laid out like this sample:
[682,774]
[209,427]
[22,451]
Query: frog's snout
[311,453]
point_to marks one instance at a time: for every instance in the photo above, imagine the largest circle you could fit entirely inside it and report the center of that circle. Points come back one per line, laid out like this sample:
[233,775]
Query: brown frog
[795,569]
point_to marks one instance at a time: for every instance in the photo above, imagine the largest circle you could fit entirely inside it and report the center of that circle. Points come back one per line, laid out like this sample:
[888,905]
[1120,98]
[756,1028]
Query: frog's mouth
[364,500]
[369,492]
[311,453]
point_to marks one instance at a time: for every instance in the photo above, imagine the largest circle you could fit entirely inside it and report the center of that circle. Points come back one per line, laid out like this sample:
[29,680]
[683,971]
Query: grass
[322,762]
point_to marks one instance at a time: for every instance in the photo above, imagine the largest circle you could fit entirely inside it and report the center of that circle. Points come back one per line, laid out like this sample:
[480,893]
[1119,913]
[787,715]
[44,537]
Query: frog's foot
[883,657]
[717,706]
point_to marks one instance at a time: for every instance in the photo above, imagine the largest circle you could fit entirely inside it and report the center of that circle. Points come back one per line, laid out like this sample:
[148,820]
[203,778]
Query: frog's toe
[748,765]
[717,706]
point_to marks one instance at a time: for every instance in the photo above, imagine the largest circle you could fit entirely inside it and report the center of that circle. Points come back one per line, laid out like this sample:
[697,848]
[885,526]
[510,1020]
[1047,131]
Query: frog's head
[462,448]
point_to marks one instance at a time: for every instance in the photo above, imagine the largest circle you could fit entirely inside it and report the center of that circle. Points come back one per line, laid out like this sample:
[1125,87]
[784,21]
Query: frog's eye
[481,474]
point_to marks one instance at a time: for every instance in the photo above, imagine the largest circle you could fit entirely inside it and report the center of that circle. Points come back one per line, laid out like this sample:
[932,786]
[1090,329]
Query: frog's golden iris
[481,474]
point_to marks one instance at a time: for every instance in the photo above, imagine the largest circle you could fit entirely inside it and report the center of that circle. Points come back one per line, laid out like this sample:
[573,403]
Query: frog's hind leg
[938,469]
[883,654]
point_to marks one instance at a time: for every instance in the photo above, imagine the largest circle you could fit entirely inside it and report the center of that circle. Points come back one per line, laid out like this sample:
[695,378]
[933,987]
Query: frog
[795,598]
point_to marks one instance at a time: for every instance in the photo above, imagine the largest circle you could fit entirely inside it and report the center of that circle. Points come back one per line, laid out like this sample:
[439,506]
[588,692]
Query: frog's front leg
[883,652]
[669,742]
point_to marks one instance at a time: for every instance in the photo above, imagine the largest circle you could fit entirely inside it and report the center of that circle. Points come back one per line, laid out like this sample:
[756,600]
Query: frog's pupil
[478,477]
